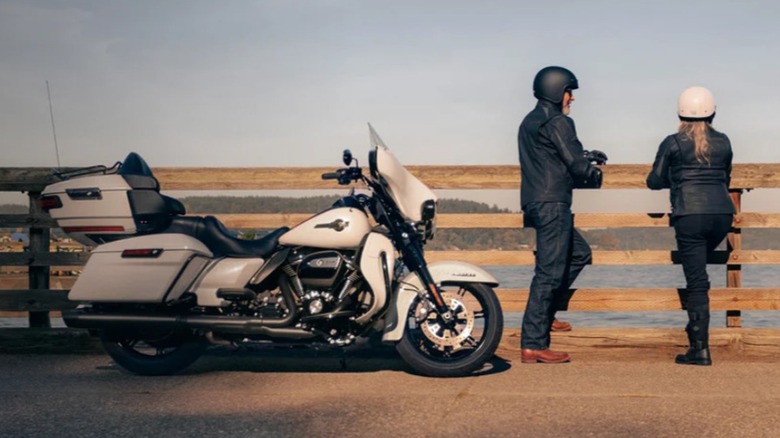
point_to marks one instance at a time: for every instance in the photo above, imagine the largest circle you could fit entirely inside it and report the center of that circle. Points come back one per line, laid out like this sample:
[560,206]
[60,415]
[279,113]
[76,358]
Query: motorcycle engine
[321,270]
[323,281]
[330,292]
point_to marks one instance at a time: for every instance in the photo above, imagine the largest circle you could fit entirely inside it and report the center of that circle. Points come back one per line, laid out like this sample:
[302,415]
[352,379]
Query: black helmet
[551,82]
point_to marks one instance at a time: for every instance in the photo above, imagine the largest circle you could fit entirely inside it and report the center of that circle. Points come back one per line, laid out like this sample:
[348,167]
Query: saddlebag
[146,269]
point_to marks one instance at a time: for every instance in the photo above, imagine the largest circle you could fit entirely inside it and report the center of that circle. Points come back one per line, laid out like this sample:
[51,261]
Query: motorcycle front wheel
[436,348]
[153,354]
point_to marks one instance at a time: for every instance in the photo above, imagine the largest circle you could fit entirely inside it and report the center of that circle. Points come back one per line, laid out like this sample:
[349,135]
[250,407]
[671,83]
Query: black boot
[698,338]
[696,355]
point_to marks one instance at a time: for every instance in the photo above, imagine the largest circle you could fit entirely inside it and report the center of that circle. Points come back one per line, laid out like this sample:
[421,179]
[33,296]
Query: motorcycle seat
[217,238]
[174,206]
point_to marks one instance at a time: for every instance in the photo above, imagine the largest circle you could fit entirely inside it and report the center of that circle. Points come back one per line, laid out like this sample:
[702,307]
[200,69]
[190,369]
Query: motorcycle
[160,286]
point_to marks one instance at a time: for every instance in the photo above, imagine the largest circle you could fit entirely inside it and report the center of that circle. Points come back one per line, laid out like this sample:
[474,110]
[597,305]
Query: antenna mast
[53,130]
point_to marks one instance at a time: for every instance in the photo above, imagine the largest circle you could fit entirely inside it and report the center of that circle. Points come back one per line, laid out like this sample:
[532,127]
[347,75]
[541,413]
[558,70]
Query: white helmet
[696,103]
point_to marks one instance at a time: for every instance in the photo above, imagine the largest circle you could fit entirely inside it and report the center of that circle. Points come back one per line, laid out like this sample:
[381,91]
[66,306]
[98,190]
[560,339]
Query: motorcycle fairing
[377,261]
[408,192]
[411,286]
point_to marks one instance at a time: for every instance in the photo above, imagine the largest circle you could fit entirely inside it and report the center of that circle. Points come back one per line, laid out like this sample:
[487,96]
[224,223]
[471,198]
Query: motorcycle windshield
[408,192]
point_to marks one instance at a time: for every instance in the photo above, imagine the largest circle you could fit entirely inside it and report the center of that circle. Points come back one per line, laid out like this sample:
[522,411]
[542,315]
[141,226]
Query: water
[671,276]
[519,277]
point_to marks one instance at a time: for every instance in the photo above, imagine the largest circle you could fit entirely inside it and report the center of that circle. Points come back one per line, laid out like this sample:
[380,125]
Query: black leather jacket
[696,188]
[551,156]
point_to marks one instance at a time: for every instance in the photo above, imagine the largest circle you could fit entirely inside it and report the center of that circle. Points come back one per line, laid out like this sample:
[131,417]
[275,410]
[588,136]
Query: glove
[592,180]
[595,156]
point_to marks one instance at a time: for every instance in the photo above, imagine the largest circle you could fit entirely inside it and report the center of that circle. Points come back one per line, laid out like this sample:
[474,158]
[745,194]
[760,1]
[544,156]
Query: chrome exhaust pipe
[80,318]
[244,325]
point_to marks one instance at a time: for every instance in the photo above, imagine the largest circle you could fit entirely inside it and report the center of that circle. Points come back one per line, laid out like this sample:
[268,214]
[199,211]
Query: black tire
[415,349]
[153,355]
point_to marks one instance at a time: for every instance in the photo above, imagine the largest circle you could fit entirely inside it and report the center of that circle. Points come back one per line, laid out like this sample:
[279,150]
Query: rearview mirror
[347,157]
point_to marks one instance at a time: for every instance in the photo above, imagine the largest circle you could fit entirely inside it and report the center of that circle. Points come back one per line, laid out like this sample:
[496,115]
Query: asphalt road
[294,393]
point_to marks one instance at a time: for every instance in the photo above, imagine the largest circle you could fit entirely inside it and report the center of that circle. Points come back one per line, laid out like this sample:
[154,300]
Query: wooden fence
[38,299]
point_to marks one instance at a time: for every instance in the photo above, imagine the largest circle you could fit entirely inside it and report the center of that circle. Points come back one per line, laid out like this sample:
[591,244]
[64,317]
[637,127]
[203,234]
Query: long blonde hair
[697,131]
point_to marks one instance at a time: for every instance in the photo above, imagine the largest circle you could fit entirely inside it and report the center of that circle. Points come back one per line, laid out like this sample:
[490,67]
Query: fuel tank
[337,228]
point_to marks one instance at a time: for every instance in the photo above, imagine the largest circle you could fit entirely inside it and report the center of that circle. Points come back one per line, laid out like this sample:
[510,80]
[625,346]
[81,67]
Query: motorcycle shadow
[311,360]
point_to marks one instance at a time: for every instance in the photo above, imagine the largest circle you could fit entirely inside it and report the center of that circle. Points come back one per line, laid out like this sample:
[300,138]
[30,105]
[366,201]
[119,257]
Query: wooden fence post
[38,276]
[734,272]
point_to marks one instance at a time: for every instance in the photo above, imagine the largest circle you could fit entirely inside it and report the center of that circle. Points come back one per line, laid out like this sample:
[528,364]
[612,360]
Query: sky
[292,83]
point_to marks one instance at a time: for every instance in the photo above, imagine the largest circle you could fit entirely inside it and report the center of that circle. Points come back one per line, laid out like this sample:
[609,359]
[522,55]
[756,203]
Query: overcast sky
[292,83]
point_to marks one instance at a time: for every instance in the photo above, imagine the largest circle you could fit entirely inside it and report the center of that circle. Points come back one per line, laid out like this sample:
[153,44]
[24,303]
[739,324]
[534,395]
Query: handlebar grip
[330,175]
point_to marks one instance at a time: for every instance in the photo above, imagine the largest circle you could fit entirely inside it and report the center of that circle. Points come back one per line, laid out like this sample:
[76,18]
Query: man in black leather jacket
[552,163]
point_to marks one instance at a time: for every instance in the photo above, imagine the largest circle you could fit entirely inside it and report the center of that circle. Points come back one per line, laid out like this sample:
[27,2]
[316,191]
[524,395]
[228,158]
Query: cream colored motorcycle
[159,285]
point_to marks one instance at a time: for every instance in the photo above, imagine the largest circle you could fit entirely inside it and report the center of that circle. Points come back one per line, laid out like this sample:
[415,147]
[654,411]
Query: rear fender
[443,273]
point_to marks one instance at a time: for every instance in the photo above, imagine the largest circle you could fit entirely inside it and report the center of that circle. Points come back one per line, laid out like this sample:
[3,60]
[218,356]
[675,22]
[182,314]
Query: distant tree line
[309,204]
[447,239]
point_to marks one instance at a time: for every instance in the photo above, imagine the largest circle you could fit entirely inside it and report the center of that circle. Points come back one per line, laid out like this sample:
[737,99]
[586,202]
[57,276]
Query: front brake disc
[440,334]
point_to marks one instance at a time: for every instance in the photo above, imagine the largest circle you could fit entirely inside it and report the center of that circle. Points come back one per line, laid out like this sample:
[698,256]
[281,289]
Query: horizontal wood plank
[43,259]
[505,220]
[16,300]
[653,257]
[646,299]
[481,258]
[758,341]
[25,179]
[462,220]
[757,220]
[512,300]
[444,221]
[616,176]
[41,220]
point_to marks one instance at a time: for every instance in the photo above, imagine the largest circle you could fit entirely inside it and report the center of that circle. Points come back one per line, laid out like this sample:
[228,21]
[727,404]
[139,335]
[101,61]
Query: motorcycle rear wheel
[153,355]
[433,350]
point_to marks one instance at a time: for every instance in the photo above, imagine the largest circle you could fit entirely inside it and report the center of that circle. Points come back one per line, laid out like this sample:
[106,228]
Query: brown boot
[560,326]
[543,356]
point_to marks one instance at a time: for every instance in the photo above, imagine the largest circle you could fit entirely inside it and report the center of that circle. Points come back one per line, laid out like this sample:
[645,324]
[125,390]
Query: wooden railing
[38,299]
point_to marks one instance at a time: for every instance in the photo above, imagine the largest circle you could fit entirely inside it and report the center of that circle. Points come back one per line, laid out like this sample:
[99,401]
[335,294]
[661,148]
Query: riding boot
[698,338]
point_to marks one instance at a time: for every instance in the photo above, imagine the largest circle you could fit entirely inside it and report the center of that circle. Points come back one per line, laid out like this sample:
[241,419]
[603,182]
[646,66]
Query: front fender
[443,273]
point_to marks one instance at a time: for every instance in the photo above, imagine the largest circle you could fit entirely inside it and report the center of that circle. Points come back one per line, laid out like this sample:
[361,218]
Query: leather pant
[561,254]
[698,235]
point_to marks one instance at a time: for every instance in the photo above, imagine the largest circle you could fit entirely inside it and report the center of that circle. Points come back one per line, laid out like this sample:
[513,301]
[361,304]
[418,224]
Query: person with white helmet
[552,163]
[695,164]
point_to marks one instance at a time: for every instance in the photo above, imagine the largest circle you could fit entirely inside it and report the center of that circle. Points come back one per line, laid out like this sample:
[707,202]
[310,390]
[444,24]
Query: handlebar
[344,176]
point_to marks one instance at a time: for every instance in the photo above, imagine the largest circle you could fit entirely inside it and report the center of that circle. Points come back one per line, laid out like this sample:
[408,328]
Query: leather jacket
[551,157]
[696,188]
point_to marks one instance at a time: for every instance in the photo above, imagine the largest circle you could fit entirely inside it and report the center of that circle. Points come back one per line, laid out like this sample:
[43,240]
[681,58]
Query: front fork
[415,260]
